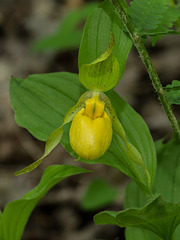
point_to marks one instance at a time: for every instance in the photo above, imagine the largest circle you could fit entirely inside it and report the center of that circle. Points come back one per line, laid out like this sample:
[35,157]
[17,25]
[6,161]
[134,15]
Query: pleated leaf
[157,216]
[41,101]
[16,213]
[167,184]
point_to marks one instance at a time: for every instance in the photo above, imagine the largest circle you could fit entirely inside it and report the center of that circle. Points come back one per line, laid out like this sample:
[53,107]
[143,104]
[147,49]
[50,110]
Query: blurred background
[29,30]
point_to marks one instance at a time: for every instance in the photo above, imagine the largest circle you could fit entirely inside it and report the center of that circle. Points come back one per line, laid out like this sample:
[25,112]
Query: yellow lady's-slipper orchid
[91,130]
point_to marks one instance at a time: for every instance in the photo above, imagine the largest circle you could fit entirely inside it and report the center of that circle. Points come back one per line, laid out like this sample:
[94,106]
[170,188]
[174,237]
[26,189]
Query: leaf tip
[29,168]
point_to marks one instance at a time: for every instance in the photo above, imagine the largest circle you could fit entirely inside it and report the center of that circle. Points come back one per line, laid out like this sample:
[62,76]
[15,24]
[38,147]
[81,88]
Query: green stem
[136,38]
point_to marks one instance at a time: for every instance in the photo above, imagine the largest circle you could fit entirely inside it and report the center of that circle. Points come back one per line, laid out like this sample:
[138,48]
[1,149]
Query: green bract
[103,73]
[96,36]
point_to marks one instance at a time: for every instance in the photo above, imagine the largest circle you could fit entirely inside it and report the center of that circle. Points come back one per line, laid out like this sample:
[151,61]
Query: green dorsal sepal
[103,73]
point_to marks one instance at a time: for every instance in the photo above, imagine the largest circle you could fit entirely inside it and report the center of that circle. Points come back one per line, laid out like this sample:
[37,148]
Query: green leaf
[55,137]
[159,35]
[173,92]
[68,34]
[0,217]
[167,184]
[135,198]
[168,172]
[98,194]
[102,74]
[177,233]
[138,135]
[170,17]
[154,18]
[41,109]
[16,213]
[96,36]
[51,130]
[156,216]
[41,101]
[132,153]
[147,15]
[139,233]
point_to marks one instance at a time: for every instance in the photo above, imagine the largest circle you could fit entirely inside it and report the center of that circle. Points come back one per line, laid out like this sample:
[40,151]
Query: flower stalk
[136,38]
